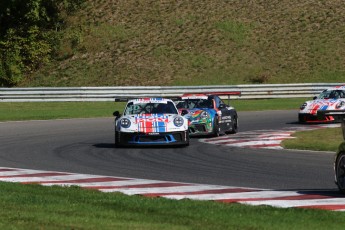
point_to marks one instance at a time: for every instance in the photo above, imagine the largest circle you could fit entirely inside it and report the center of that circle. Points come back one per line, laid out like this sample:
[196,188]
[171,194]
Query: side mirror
[222,106]
[116,114]
[184,112]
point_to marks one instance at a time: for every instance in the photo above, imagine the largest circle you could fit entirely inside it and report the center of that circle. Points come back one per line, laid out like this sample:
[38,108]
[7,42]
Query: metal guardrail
[259,91]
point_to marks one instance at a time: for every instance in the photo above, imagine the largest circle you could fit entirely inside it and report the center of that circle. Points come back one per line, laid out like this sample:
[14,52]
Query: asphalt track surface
[87,146]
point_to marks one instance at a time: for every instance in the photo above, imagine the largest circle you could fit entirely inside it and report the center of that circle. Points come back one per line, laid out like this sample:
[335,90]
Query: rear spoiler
[122,99]
[338,115]
[229,93]
[237,93]
[225,93]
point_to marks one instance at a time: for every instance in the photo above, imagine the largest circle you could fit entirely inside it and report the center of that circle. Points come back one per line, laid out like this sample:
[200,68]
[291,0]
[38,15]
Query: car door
[224,113]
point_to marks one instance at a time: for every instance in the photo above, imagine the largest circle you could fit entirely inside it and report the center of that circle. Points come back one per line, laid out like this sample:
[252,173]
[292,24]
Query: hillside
[198,42]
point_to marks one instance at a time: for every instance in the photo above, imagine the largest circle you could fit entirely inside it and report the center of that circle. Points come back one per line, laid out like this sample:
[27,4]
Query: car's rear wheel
[216,131]
[234,126]
[340,171]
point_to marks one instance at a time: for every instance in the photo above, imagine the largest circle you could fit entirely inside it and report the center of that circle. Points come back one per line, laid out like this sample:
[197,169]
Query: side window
[129,108]
[218,101]
[171,108]
[342,94]
[181,105]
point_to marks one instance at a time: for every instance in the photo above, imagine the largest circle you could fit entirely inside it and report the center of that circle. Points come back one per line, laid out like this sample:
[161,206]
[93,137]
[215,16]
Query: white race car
[329,99]
[150,121]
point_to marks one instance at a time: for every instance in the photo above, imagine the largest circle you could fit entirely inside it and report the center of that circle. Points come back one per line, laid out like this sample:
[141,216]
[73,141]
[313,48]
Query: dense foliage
[28,35]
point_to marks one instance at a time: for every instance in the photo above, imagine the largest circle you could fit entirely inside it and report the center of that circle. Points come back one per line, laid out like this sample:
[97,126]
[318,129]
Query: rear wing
[206,94]
[122,99]
[229,93]
[338,115]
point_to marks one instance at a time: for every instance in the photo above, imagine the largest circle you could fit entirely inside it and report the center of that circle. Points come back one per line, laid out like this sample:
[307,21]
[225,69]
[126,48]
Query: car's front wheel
[216,131]
[187,140]
[340,171]
[117,139]
[301,118]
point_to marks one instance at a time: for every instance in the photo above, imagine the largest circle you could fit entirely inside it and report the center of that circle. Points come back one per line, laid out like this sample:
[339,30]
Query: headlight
[178,121]
[303,106]
[125,123]
[203,115]
[339,105]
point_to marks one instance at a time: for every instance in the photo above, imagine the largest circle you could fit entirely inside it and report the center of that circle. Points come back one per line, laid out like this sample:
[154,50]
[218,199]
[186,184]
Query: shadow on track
[326,193]
[112,146]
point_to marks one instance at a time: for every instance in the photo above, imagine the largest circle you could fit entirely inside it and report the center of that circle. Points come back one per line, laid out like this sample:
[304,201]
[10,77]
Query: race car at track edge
[208,114]
[329,99]
[150,121]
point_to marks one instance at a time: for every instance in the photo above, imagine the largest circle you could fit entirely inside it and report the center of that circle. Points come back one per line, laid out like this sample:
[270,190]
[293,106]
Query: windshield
[332,94]
[149,108]
[195,103]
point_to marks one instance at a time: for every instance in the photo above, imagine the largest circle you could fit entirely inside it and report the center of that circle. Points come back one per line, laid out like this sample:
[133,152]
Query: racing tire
[234,126]
[340,172]
[117,139]
[188,140]
[301,119]
[216,132]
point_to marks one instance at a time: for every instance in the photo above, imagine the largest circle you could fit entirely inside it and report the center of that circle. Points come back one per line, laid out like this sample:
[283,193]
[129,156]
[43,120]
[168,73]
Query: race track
[86,146]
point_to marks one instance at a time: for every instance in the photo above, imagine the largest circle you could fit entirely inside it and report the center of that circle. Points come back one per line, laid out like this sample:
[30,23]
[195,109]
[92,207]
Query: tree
[27,31]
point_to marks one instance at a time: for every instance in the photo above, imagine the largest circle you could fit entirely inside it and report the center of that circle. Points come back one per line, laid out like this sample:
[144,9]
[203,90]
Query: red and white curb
[267,139]
[178,191]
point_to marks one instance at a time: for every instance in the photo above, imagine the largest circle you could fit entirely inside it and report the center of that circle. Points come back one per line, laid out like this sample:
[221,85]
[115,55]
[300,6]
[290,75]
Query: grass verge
[41,207]
[319,140]
[56,110]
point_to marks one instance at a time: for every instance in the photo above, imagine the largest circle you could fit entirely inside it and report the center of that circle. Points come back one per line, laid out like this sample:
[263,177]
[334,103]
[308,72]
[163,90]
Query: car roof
[150,100]
[194,96]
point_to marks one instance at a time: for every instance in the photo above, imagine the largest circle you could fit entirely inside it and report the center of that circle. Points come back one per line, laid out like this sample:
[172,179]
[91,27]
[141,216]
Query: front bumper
[311,118]
[170,138]
[199,129]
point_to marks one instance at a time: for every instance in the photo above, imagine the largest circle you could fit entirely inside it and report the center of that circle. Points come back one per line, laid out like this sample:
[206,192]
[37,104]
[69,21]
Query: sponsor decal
[150,100]
[226,118]
[152,123]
